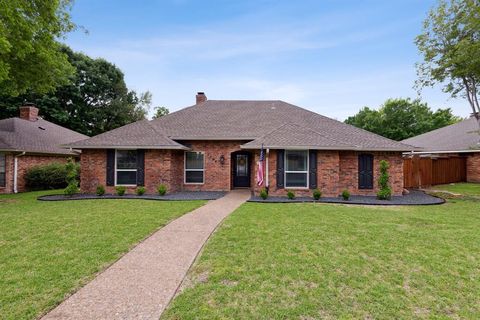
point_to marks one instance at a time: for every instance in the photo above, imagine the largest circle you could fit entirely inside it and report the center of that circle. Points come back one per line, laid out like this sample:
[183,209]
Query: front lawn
[319,261]
[464,188]
[48,249]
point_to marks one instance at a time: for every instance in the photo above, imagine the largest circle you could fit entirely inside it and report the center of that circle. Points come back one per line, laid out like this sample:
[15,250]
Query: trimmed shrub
[140,191]
[162,189]
[71,178]
[263,193]
[120,190]
[100,190]
[385,192]
[345,194]
[316,194]
[290,195]
[44,177]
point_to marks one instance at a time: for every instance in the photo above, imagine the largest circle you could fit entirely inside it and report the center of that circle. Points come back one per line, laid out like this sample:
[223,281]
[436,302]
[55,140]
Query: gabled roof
[248,120]
[39,136]
[461,136]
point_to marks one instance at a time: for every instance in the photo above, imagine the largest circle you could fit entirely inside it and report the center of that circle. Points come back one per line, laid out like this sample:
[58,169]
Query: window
[126,167]
[296,168]
[365,171]
[194,167]
[2,170]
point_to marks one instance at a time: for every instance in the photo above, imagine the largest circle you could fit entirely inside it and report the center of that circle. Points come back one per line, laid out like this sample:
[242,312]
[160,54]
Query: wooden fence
[424,172]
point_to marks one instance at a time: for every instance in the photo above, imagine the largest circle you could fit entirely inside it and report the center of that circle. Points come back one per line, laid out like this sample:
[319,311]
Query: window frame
[4,156]
[124,170]
[306,172]
[185,168]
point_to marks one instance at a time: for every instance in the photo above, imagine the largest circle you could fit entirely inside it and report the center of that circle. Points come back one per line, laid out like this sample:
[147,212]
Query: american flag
[260,167]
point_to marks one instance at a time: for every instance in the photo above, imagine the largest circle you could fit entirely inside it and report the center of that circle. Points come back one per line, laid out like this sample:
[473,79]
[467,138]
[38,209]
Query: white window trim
[185,169]
[4,156]
[306,172]
[122,170]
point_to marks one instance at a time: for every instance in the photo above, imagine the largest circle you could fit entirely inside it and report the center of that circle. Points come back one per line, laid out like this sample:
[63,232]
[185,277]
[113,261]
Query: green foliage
[450,45]
[162,189]
[385,191]
[30,58]
[316,194]
[120,190]
[263,194]
[399,119]
[160,112]
[71,178]
[140,191]
[96,100]
[345,194]
[50,176]
[100,190]
[291,194]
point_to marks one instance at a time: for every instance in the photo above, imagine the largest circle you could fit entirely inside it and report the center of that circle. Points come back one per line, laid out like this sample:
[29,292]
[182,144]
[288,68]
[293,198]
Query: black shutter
[312,166]
[280,169]
[140,167]
[365,171]
[110,167]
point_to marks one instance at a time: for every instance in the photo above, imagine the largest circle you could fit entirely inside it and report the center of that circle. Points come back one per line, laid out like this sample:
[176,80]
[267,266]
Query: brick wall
[473,168]
[93,165]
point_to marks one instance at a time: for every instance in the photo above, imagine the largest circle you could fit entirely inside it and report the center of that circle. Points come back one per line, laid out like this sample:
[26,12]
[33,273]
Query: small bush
[290,195]
[162,189]
[385,192]
[317,194]
[140,191]
[120,190]
[345,195]
[71,178]
[263,193]
[100,190]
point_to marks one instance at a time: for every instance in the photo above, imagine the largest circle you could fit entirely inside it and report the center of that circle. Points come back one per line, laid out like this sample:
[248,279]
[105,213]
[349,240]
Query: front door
[241,170]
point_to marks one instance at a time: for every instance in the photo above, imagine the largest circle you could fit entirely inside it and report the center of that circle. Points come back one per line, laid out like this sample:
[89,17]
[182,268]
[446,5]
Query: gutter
[15,171]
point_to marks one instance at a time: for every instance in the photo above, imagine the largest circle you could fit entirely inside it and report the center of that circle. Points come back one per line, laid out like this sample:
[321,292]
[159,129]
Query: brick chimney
[201,97]
[29,112]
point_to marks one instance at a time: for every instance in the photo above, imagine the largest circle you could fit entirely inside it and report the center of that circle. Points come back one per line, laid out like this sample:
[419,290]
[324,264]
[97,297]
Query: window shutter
[110,167]
[365,171]
[280,169]
[312,167]
[140,167]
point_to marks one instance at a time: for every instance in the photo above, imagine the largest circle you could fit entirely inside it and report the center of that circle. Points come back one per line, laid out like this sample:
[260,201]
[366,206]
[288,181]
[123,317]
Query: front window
[194,167]
[126,167]
[296,168]
[2,170]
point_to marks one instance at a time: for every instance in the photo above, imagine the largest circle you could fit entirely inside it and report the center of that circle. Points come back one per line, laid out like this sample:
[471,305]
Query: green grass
[318,261]
[468,189]
[49,249]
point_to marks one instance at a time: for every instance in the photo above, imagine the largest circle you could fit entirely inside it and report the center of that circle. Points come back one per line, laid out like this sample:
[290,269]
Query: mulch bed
[177,196]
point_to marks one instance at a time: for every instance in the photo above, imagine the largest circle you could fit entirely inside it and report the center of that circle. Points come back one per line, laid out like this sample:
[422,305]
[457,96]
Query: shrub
[263,193]
[385,192]
[290,195]
[317,194]
[120,190]
[140,191]
[345,194]
[71,178]
[162,189]
[100,190]
[50,176]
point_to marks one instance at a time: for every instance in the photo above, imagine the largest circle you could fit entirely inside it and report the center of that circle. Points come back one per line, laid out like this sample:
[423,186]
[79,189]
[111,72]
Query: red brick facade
[473,168]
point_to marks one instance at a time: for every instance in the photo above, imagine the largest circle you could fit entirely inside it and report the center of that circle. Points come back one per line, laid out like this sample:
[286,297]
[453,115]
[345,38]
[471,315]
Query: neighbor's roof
[38,136]
[274,123]
[461,136]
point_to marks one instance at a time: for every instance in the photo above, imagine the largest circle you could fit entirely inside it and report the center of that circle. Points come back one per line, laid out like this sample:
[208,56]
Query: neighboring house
[28,141]
[459,140]
[215,145]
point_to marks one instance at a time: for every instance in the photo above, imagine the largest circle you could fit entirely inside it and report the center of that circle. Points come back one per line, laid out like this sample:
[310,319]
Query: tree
[400,119]
[160,112]
[30,58]
[450,45]
[95,100]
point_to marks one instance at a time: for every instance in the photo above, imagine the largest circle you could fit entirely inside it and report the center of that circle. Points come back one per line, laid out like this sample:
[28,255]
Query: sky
[329,56]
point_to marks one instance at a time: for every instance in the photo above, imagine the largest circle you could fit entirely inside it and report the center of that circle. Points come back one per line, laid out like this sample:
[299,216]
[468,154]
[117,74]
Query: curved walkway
[141,283]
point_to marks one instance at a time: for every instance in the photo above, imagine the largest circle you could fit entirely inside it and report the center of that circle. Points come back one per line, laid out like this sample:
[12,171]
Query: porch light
[222,159]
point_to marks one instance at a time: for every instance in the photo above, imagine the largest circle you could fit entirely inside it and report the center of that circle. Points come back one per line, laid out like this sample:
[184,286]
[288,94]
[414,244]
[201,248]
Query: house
[457,141]
[215,145]
[28,141]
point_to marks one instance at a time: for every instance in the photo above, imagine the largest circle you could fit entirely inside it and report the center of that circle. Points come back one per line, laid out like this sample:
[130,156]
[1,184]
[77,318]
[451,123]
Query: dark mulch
[415,197]
[177,196]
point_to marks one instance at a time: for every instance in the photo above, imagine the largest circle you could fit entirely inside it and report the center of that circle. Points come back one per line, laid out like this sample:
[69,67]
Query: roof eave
[347,148]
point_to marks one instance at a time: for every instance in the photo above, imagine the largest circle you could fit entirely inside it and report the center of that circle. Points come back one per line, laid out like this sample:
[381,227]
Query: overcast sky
[329,56]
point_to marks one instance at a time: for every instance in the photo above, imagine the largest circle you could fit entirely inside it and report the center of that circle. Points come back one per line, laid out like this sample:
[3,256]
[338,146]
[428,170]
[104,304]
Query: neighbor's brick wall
[29,161]
[473,168]
[8,174]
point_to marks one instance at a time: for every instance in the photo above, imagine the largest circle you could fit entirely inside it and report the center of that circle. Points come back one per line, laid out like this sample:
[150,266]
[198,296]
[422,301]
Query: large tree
[30,58]
[400,119]
[450,45]
[95,100]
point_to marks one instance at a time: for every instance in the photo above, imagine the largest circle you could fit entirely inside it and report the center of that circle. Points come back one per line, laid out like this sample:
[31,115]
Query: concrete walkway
[141,284]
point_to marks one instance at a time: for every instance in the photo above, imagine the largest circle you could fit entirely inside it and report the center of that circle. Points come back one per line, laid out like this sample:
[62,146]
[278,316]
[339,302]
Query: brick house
[215,145]
[29,141]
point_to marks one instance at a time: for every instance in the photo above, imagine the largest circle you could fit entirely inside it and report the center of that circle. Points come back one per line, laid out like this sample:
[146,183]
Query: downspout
[15,171]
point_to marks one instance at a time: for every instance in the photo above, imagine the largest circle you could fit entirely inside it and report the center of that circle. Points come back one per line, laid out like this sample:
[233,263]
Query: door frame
[233,165]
